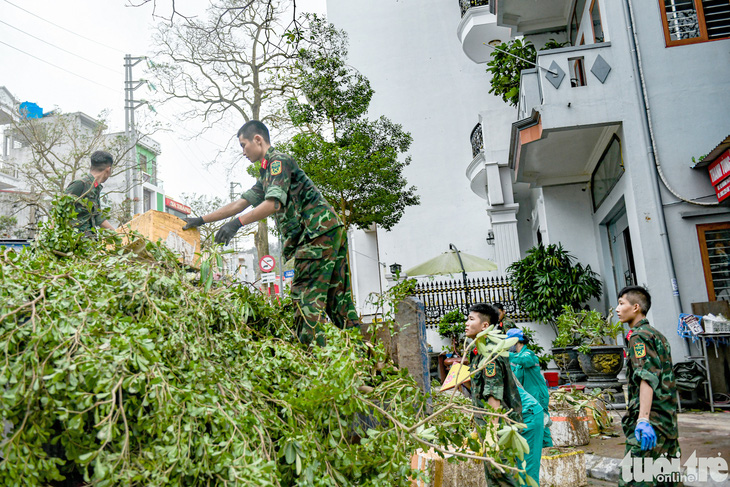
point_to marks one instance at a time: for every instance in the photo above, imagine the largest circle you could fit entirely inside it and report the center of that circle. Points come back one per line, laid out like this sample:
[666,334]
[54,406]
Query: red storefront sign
[720,168]
[170,203]
[722,190]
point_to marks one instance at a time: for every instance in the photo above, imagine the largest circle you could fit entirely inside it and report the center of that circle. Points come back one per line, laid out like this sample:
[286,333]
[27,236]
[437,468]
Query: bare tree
[202,205]
[233,63]
[55,150]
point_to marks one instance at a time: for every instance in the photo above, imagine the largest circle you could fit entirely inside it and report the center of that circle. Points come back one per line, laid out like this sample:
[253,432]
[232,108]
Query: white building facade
[597,155]
[423,81]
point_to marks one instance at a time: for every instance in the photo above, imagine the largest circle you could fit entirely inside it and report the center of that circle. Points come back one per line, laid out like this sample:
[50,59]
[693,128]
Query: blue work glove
[645,434]
[227,231]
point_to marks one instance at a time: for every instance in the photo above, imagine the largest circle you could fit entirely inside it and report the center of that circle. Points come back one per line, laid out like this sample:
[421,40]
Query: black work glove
[227,231]
[193,222]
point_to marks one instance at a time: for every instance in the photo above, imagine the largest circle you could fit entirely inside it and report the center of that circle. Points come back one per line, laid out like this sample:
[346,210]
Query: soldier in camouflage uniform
[650,424]
[88,193]
[312,232]
[504,322]
[494,386]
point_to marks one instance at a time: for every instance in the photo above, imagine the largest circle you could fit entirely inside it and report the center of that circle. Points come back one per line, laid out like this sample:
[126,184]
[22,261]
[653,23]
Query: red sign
[170,203]
[720,168]
[722,190]
[267,263]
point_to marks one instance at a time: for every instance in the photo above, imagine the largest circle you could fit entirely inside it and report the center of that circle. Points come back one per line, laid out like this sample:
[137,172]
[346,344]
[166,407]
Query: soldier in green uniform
[494,386]
[504,322]
[313,234]
[650,424]
[88,193]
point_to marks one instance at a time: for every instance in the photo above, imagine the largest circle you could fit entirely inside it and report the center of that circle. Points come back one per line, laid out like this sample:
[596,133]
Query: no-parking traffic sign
[267,263]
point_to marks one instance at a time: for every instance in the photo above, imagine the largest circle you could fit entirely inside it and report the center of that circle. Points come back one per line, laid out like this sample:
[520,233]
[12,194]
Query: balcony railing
[9,169]
[467,4]
[477,140]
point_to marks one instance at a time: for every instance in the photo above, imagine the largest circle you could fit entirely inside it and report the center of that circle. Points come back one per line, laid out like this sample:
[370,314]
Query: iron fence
[467,4]
[477,140]
[440,297]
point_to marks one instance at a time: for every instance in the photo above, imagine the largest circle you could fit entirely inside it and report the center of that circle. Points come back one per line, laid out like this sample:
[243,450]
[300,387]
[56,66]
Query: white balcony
[479,27]
[529,17]
[563,118]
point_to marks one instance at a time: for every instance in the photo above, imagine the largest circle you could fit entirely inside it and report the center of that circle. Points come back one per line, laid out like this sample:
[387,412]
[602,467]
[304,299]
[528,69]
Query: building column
[506,240]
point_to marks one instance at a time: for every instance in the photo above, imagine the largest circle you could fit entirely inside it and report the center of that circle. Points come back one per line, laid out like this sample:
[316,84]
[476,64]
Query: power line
[59,67]
[60,48]
[63,28]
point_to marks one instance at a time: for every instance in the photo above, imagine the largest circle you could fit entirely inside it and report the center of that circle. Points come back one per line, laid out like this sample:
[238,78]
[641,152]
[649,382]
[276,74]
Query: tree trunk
[261,239]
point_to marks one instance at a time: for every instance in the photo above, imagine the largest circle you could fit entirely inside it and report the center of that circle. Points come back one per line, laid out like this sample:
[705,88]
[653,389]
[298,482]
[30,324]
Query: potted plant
[598,354]
[564,352]
[452,327]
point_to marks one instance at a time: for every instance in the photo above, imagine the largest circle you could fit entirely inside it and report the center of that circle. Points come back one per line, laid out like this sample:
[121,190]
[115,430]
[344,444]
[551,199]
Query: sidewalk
[704,433]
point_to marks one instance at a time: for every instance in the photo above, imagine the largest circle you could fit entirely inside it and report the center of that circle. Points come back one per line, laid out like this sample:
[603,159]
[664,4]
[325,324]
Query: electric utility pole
[132,175]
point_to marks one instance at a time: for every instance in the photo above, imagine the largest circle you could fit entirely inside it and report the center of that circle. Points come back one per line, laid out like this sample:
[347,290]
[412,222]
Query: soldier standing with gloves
[312,232]
[650,424]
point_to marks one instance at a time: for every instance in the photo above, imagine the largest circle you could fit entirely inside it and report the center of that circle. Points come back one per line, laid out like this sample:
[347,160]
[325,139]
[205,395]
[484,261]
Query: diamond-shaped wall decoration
[555,79]
[601,69]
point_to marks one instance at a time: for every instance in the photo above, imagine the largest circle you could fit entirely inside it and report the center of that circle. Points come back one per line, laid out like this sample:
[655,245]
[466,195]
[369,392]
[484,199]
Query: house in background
[598,154]
[17,193]
[423,81]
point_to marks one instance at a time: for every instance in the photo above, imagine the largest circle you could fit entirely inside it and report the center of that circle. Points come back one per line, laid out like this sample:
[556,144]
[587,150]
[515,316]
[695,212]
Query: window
[596,21]
[691,21]
[147,200]
[577,72]
[714,239]
[608,171]
[575,20]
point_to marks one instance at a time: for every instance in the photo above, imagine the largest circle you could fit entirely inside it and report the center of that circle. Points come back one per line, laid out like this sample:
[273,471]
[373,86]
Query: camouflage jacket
[88,205]
[650,359]
[496,380]
[305,214]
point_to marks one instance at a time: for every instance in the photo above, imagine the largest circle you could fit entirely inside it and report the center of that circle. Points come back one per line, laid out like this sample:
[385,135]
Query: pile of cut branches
[123,371]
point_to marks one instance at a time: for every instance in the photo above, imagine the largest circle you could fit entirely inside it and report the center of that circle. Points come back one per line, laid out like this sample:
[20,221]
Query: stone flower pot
[602,365]
[566,358]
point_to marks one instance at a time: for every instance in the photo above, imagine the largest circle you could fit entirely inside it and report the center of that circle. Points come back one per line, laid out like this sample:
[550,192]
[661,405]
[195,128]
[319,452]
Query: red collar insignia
[264,163]
[96,184]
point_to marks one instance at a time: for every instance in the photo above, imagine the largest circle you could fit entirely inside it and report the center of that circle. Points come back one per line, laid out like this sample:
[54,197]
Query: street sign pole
[281,268]
[267,264]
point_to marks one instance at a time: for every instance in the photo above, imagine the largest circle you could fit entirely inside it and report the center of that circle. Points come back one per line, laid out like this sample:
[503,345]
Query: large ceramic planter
[566,358]
[602,365]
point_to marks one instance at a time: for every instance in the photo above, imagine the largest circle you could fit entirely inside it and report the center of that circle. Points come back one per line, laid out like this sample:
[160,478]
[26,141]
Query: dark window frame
[703,37]
[614,138]
[702,231]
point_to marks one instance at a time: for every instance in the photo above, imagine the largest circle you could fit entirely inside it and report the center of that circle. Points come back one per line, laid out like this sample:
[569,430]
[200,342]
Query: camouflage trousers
[321,286]
[665,447]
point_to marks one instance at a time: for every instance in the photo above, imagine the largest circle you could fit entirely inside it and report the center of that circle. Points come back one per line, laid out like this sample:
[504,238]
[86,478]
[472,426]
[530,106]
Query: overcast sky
[69,55]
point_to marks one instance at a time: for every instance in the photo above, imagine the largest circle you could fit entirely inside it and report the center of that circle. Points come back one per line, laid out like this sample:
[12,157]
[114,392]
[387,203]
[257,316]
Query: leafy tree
[548,279]
[354,161]
[233,61]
